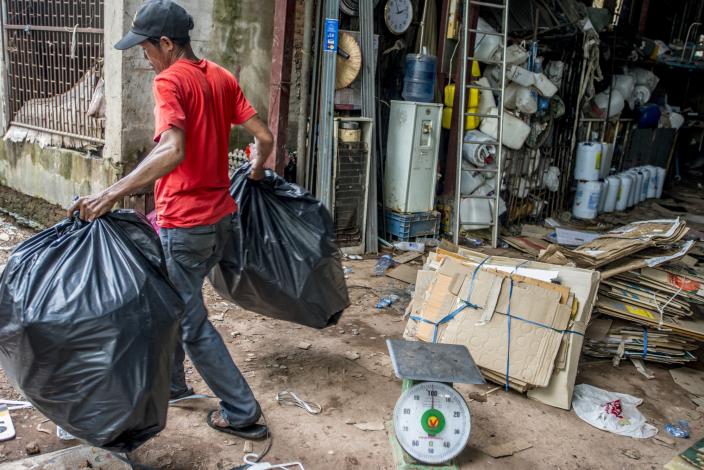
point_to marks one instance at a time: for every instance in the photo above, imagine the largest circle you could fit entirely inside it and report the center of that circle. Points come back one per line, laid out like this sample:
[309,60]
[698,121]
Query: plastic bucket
[588,162]
[612,192]
[586,199]
[602,195]
[624,191]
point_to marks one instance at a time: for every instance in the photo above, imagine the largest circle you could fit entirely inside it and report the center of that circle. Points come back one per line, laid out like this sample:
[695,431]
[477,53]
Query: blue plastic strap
[508,346]
[645,342]
[454,313]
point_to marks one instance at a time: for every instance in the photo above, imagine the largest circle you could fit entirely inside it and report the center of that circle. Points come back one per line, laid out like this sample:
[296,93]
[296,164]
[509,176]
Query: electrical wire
[286,398]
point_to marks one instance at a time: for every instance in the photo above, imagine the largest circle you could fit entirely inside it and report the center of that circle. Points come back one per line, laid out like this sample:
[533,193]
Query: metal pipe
[314,99]
[366,34]
[500,133]
[303,107]
[686,39]
[460,124]
[327,104]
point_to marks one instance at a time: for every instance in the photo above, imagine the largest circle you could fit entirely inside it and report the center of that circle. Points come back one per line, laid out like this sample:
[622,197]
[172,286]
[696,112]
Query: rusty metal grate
[54,51]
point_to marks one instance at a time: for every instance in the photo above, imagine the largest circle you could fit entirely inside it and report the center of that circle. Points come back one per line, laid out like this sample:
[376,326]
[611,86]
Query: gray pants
[190,254]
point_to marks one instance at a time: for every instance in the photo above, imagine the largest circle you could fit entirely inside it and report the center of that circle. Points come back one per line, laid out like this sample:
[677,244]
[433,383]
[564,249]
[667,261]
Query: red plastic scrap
[614,408]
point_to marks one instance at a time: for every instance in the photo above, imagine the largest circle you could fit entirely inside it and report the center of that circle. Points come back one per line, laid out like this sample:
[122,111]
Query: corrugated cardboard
[583,283]
[622,242]
[693,328]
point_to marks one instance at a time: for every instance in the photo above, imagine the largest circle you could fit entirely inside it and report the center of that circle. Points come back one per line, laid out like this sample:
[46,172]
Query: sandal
[252,432]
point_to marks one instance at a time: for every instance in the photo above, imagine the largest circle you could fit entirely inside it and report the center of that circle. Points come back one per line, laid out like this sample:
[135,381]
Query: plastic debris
[384,263]
[387,301]
[613,412]
[681,429]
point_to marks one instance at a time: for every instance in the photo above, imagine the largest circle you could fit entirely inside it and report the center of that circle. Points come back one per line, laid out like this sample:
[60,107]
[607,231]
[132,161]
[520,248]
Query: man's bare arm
[162,160]
[265,144]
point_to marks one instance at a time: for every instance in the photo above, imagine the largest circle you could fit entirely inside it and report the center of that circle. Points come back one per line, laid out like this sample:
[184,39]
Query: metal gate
[54,56]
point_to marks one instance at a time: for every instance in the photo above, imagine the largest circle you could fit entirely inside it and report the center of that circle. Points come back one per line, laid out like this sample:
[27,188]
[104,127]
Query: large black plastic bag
[88,325]
[283,263]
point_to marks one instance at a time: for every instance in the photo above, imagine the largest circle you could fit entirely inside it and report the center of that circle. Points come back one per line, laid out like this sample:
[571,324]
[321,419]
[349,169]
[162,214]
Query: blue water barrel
[419,79]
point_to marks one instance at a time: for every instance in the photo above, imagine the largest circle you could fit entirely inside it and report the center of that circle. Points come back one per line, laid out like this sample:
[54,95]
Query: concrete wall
[52,174]
[235,34]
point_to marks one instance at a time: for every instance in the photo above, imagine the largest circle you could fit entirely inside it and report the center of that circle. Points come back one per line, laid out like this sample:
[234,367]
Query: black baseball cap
[157,18]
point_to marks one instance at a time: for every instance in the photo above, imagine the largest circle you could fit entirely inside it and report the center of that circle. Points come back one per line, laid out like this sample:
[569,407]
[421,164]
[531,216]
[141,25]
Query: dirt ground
[365,390]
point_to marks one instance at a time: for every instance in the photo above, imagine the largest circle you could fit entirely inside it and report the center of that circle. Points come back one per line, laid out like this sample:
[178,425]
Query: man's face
[159,55]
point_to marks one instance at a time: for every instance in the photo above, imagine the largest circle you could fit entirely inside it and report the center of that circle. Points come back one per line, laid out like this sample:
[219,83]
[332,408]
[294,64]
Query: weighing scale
[431,423]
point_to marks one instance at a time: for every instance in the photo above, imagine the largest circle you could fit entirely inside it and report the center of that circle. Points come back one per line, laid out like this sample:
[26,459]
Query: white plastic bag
[600,409]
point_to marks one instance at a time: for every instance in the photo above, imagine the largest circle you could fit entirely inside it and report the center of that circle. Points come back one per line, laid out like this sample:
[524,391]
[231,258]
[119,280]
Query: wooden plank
[407,257]
[403,273]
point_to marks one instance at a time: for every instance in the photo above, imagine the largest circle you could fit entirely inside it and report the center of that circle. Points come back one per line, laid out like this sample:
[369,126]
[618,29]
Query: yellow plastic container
[446,118]
[471,122]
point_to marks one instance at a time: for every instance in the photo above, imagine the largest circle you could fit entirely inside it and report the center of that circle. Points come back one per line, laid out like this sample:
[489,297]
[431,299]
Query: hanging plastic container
[475,213]
[510,95]
[485,45]
[544,85]
[624,84]
[612,192]
[607,153]
[600,104]
[419,79]
[478,154]
[515,131]
[526,100]
[602,195]
[520,75]
[624,191]
[661,180]
[471,180]
[516,55]
[586,200]
[486,97]
[588,162]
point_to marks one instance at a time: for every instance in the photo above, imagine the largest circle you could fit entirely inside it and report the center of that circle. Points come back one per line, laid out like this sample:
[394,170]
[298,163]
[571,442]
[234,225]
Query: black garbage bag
[88,326]
[284,262]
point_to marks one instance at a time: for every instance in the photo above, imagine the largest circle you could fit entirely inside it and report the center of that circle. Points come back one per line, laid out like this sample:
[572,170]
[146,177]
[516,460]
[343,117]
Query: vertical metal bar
[500,133]
[459,112]
[366,33]
[303,115]
[327,105]
[280,82]
[315,99]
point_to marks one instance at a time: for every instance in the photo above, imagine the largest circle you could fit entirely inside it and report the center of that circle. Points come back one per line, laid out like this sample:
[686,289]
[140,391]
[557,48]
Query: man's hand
[263,146]
[257,173]
[92,207]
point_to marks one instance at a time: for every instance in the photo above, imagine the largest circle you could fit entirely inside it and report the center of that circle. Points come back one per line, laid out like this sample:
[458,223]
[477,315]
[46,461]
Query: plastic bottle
[419,78]
[428,241]
[384,263]
[387,301]
[410,246]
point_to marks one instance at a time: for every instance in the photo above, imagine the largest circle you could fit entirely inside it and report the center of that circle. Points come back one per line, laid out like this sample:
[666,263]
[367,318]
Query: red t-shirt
[205,101]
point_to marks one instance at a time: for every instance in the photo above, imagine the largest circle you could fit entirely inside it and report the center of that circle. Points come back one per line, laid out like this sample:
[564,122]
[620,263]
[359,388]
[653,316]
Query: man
[197,103]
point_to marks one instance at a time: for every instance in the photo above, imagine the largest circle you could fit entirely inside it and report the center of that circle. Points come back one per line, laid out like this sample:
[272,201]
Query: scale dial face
[398,15]
[432,422]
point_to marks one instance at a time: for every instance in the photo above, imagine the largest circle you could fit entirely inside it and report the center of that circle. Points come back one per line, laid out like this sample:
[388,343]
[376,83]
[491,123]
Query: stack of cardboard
[662,297]
[608,338]
[621,242]
[522,321]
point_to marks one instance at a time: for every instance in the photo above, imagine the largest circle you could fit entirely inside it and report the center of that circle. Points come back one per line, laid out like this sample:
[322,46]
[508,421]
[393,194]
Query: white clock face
[432,422]
[398,15]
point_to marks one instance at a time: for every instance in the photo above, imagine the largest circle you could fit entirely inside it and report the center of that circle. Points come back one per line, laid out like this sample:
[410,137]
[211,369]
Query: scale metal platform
[432,422]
